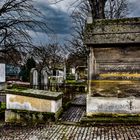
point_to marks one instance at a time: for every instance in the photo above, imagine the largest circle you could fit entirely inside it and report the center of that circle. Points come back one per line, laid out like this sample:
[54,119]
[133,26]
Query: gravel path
[73,114]
[76,111]
[71,132]
[68,132]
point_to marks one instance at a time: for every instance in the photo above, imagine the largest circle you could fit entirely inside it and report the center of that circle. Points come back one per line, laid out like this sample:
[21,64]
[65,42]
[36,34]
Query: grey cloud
[56,19]
[134,8]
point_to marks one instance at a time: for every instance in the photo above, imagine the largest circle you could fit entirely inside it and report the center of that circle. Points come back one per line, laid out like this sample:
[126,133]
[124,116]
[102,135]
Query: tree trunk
[97,8]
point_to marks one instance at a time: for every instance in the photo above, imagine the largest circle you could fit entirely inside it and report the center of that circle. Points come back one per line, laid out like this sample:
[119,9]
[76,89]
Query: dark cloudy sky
[57,18]
[134,8]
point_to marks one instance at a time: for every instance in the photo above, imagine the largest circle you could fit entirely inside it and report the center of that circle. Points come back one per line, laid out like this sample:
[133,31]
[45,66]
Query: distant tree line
[17,19]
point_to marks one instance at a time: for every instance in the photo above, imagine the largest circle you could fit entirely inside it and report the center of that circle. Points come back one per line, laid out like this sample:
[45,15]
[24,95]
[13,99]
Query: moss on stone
[42,94]
[111,118]
[105,31]
[102,22]
[58,114]
[27,116]
[3,106]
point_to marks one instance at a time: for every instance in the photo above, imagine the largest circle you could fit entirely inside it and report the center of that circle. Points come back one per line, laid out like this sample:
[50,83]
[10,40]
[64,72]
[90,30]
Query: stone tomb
[114,66]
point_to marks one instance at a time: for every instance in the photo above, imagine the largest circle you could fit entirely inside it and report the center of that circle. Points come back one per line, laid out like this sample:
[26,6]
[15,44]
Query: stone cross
[34,78]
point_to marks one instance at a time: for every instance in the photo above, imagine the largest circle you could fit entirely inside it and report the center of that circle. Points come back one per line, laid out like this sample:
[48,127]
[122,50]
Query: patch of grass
[120,75]
[66,105]
[3,106]
[17,87]
[70,81]
[113,81]
[113,115]
[75,83]
[115,120]
[112,118]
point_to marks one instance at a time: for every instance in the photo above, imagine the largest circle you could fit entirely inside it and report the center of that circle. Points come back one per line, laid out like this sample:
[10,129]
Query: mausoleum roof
[113,31]
[43,94]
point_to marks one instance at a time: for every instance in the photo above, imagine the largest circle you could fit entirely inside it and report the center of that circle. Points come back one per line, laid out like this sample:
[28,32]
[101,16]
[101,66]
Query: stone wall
[112,105]
[116,63]
[32,104]
[118,59]
[114,66]
[113,31]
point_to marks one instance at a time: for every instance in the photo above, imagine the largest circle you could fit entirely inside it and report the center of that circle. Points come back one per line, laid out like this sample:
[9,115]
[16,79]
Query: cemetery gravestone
[44,79]
[60,76]
[34,78]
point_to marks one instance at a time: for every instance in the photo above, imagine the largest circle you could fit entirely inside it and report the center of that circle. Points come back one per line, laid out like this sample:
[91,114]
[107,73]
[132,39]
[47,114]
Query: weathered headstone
[2,76]
[44,79]
[76,76]
[59,76]
[34,78]
[64,75]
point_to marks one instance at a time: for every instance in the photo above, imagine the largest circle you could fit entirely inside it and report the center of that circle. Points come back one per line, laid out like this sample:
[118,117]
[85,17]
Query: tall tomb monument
[113,66]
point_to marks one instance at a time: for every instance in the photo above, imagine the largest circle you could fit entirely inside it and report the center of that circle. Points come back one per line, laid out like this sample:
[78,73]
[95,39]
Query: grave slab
[30,100]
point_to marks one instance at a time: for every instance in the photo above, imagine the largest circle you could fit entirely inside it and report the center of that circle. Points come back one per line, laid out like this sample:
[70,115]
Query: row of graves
[37,102]
[114,66]
[29,105]
[46,79]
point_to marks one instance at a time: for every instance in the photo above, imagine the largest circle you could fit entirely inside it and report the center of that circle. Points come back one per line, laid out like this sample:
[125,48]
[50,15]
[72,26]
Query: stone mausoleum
[114,66]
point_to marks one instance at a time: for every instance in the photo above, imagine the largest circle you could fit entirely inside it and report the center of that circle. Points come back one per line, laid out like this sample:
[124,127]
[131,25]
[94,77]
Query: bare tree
[78,51]
[116,8]
[50,56]
[100,9]
[97,8]
[17,19]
